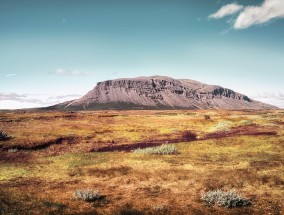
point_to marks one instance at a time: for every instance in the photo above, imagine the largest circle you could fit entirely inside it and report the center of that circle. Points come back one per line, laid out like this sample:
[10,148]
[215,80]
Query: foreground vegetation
[119,162]
[165,149]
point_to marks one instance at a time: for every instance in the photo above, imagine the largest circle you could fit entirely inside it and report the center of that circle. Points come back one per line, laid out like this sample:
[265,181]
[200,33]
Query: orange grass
[56,156]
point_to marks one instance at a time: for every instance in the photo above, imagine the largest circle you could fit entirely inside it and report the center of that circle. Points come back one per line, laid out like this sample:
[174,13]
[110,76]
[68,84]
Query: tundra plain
[52,154]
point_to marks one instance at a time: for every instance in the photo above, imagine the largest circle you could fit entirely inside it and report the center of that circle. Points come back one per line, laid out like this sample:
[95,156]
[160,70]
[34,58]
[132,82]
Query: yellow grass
[43,180]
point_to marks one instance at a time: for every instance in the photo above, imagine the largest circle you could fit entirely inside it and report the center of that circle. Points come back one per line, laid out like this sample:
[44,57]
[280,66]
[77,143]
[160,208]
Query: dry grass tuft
[159,150]
[229,199]
[88,195]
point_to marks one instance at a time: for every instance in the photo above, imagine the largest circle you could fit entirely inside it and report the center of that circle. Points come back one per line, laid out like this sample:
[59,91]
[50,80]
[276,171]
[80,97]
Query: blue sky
[57,50]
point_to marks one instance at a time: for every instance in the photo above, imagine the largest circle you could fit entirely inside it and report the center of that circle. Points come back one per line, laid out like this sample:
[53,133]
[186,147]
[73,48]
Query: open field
[53,154]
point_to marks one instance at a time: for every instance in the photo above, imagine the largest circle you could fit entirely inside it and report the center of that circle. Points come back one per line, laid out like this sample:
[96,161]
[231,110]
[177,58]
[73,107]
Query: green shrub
[225,199]
[166,149]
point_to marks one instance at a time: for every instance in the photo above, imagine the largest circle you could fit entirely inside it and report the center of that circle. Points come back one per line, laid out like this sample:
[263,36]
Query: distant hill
[159,92]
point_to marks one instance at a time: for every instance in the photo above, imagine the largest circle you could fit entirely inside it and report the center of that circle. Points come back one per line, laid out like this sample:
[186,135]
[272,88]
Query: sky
[52,51]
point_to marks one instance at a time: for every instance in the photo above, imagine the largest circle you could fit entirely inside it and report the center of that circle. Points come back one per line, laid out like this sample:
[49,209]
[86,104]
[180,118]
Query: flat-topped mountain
[159,92]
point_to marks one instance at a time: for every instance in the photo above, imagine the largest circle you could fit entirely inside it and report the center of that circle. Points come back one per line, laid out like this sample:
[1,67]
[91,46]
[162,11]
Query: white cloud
[273,98]
[63,72]
[11,96]
[10,75]
[226,10]
[255,15]
[252,15]
[15,100]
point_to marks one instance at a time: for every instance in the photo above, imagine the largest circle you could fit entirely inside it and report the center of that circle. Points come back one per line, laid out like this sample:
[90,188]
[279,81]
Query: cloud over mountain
[274,98]
[17,100]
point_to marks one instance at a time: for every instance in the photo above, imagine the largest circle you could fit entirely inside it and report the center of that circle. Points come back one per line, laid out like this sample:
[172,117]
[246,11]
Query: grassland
[53,154]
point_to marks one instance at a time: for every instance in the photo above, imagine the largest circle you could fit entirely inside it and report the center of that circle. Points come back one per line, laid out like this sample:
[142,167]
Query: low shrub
[225,199]
[4,135]
[189,136]
[221,126]
[246,122]
[160,208]
[87,195]
[13,150]
[207,117]
[166,149]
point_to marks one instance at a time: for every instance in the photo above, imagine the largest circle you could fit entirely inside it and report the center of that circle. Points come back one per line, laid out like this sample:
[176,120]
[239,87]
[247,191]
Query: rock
[158,92]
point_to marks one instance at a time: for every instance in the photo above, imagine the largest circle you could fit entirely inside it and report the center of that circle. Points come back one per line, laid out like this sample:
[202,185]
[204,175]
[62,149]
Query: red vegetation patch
[42,145]
[186,136]
[108,115]
[126,147]
[265,164]
[252,130]
[23,182]
[15,157]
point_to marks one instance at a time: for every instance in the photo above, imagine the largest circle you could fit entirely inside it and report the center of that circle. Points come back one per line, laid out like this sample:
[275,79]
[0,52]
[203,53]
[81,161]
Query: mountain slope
[158,92]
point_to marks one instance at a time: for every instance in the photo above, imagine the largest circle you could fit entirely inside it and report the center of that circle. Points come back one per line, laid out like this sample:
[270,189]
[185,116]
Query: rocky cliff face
[159,92]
